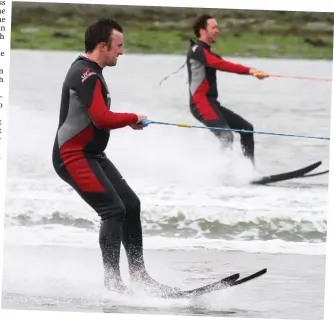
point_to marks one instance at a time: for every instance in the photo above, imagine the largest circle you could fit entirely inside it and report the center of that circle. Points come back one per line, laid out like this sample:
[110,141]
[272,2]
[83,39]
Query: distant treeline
[265,22]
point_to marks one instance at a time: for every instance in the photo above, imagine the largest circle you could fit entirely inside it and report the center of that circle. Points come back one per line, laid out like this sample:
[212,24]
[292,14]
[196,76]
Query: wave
[68,236]
[185,223]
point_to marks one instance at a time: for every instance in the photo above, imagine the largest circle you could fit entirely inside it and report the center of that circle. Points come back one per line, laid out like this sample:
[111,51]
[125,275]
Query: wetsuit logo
[86,75]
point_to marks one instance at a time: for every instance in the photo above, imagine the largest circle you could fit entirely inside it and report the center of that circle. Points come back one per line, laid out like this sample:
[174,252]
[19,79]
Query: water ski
[230,281]
[299,173]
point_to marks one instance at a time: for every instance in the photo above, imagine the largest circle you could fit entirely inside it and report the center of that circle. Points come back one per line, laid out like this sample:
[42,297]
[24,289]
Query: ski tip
[263,271]
[260,272]
[315,165]
[250,277]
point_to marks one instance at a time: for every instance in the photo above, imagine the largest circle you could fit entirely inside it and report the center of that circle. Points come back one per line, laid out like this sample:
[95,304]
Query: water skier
[79,159]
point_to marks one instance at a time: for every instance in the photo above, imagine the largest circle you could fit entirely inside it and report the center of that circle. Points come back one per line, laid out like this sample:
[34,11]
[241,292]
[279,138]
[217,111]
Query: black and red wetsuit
[202,65]
[78,158]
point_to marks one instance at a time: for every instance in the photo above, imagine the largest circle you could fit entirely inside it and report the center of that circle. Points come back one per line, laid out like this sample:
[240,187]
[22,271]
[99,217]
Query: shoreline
[288,48]
[268,58]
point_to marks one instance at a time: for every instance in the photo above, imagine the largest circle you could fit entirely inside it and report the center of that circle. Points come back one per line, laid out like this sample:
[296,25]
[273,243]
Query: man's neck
[205,41]
[92,57]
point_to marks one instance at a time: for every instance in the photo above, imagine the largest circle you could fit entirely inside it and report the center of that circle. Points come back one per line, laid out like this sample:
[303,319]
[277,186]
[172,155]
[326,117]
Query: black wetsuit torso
[85,118]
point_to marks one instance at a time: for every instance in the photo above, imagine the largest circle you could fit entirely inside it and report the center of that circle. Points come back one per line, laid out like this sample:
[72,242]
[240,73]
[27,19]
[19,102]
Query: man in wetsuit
[202,65]
[79,159]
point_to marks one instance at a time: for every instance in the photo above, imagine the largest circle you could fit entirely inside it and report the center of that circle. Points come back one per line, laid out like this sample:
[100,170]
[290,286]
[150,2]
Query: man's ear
[102,46]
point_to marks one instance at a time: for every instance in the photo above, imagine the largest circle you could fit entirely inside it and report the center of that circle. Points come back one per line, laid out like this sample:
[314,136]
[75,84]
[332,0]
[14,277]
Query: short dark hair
[99,31]
[201,23]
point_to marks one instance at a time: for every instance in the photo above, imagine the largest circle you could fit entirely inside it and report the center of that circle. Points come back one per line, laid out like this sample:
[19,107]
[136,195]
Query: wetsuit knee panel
[132,204]
[111,210]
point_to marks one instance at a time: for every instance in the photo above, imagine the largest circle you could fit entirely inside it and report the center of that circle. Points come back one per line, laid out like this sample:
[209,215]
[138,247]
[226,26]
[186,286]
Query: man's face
[211,31]
[116,48]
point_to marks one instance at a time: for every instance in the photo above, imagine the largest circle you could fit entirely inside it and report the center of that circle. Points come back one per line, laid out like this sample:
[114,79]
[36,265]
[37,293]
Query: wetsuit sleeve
[206,57]
[91,95]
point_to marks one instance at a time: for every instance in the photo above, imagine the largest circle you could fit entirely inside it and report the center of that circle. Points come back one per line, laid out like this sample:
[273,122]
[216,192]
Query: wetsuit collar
[200,43]
[83,57]
[204,45]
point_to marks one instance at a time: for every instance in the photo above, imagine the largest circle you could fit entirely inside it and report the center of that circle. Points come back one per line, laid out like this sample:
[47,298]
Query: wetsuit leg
[132,237]
[132,231]
[235,121]
[89,180]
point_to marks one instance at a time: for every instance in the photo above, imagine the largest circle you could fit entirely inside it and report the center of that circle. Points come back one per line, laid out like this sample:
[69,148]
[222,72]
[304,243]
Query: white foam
[74,237]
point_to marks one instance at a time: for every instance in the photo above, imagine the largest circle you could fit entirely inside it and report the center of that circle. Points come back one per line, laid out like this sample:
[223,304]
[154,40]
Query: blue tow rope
[145,123]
